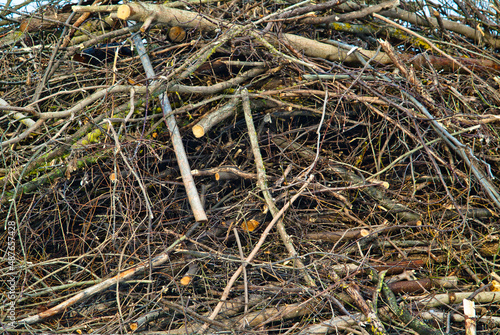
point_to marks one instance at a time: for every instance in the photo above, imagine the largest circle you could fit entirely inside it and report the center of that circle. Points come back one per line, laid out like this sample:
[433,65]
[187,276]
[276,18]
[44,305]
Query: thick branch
[140,11]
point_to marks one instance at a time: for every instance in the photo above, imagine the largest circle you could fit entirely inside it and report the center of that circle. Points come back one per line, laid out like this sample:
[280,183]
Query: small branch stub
[217,116]
[124,12]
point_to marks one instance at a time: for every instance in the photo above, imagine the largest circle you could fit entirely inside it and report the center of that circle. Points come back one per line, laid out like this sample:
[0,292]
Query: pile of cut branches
[272,167]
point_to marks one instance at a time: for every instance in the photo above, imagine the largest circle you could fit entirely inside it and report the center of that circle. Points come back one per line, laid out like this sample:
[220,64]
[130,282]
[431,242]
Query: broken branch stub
[313,48]
[217,116]
[171,16]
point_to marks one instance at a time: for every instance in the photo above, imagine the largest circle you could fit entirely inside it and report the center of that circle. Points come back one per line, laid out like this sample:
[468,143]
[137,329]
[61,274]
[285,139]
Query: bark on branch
[140,11]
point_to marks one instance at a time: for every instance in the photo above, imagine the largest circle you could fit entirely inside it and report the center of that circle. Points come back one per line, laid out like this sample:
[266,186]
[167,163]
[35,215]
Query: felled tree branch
[213,118]
[105,284]
[177,17]
[142,11]
[180,153]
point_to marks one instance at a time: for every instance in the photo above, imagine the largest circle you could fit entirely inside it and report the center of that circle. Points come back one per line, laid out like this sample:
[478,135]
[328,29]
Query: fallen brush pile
[250,167]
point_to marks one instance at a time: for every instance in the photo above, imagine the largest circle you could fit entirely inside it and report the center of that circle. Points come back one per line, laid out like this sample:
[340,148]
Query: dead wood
[470,32]
[224,173]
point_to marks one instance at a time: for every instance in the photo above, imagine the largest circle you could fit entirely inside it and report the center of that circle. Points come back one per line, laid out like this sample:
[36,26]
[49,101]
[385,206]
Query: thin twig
[262,182]
[88,292]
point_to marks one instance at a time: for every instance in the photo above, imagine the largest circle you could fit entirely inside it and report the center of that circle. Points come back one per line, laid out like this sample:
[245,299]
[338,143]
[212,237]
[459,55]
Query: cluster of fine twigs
[250,166]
